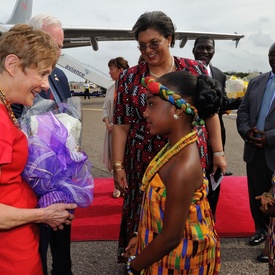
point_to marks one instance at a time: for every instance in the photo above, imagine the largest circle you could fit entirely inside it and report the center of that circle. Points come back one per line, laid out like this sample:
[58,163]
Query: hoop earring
[176,117]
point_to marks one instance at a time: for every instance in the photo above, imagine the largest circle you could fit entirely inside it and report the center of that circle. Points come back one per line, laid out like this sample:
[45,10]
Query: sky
[248,17]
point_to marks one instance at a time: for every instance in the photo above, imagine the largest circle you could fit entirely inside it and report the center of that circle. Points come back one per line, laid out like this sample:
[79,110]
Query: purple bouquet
[56,170]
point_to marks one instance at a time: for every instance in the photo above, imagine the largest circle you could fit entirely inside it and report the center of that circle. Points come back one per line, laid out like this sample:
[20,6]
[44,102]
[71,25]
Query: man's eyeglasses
[154,45]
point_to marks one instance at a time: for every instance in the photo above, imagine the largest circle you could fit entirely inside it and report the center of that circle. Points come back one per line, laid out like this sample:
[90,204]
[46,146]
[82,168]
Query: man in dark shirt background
[204,50]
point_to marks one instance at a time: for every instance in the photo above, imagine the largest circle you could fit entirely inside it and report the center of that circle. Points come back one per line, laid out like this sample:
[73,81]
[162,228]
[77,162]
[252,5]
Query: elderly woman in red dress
[27,57]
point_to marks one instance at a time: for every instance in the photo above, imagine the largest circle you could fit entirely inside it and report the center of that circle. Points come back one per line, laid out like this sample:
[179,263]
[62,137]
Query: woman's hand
[109,127]
[55,215]
[219,162]
[119,138]
[120,181]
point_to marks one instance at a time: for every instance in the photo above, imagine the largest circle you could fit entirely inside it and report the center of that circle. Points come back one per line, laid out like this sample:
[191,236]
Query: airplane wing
[87,36]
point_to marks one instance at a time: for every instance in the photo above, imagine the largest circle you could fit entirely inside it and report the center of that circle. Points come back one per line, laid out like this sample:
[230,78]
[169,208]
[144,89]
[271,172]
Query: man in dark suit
[259,148]
[60,241]
[59,86]
[204,50]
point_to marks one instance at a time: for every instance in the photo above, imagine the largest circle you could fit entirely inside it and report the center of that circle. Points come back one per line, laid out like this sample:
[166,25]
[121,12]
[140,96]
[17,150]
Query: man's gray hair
[43,20]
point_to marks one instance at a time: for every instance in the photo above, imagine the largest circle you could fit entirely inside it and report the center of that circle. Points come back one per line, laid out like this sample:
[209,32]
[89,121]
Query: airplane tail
[21,13]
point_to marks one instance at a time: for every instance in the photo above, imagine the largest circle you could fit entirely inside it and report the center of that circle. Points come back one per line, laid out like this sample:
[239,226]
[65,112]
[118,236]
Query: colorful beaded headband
[164,93]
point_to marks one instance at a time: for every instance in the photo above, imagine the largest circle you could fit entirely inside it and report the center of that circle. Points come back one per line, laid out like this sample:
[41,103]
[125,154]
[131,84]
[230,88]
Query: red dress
[141,147]
[19,246]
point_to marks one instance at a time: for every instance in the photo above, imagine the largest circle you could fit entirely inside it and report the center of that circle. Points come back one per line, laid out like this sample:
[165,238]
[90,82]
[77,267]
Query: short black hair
[204,37]
[158,21]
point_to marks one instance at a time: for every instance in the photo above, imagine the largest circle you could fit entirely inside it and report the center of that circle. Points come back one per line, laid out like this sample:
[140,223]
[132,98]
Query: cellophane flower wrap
[57,170]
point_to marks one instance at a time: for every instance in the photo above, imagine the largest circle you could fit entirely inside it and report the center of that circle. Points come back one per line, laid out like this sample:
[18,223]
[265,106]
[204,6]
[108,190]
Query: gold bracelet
[118,169]
[218,153]
[117,163]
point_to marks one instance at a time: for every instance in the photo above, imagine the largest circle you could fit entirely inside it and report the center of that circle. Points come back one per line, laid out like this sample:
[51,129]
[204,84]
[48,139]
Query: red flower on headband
[152,85]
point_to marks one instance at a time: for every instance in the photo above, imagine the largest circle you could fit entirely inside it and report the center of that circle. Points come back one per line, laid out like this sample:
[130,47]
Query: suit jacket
[59,81]
[247,118]
[226,103]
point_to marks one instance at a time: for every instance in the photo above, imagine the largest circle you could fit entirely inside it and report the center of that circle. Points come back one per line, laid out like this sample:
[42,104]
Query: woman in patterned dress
[133,146]
[176,232]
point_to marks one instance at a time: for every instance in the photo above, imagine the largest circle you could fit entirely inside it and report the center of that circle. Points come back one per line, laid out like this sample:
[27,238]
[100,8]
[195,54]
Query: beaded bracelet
[128,266]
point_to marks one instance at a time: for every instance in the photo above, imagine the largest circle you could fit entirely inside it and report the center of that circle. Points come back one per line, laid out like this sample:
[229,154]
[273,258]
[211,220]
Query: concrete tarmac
[99,257]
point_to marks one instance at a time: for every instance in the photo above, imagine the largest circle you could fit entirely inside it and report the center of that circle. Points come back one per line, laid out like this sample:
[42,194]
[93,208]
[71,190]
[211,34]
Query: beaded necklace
[8,107]
[164,155]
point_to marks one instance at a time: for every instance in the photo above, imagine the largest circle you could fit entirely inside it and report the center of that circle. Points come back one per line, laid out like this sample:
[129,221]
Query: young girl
[267,202]
[176,232]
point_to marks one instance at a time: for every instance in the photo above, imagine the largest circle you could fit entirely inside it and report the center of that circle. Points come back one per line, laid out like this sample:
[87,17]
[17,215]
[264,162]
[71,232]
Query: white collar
[209,70]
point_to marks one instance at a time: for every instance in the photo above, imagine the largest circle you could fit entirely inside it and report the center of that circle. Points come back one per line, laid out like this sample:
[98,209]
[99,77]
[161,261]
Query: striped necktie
[266,103]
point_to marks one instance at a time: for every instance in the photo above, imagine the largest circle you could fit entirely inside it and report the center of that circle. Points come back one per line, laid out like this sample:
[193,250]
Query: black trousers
[259,181]
[86,94]
[60,245]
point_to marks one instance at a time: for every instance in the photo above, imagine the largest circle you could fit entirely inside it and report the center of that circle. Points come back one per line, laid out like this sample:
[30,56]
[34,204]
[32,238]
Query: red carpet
[233,213]
[100,221]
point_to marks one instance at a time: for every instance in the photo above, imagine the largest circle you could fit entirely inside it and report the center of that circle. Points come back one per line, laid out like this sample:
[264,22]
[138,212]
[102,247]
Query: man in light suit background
[204,50]
[259,148]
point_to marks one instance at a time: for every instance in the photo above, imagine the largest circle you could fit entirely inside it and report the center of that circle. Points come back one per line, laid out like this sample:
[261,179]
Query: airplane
[75,36]
[21,13]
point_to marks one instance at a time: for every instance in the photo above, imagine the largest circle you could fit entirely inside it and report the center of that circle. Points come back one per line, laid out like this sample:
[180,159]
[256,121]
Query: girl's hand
[266,200]
[131,248]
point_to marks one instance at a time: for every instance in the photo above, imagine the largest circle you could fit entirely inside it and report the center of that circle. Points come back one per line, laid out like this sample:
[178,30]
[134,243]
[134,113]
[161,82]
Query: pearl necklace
[164,155]
[8,107]
[171,68]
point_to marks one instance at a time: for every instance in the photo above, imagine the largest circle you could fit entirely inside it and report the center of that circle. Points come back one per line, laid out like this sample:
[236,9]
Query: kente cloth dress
[269,249]
[19,246]
[141,147]
[270,243]
[199,251]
